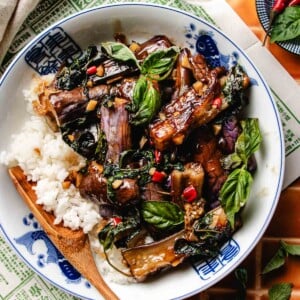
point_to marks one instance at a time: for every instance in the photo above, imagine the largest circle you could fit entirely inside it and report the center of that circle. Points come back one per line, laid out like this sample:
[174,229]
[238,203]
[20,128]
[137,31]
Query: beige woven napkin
[12,15]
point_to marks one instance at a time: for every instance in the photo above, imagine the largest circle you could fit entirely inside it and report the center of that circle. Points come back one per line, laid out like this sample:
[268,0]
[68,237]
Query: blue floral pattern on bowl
[52,254]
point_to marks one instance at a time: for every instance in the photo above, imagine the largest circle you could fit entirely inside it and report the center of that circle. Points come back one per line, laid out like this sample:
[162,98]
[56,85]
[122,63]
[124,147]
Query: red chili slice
[116,220]
[158,176]
[91,70]
[217,103]
[189,194]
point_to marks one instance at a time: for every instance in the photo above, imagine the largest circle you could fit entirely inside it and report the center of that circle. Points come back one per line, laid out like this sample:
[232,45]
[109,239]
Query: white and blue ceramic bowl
[139,22]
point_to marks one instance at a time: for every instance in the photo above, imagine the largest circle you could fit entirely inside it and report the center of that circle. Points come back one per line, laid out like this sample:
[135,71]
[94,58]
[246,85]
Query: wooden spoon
[74,245]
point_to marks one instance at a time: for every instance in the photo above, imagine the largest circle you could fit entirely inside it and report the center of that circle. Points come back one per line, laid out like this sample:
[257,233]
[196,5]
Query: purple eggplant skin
[184,76]
[229,135]
[94,185]
[158,42]
[151,258]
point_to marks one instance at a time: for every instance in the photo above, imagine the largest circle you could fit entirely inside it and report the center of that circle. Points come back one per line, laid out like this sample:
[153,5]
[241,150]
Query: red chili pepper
[116,220]
[277,8]
[217,102]
[157,156]
[189,193]
[91,70]
[158,176]
[294,3]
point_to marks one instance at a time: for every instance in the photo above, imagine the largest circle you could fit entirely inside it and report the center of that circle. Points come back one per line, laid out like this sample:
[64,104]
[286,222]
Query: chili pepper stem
[114,267]
[273,15]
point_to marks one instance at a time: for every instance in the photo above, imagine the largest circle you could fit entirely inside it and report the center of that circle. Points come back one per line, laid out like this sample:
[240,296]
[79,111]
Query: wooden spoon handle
[74,245]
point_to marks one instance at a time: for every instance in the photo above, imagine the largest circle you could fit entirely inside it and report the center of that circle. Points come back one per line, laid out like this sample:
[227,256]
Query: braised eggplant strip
[192,175]
[163,137]
[207,152]
[202,103]
[150,258]
[158,42]
[184,74]
[70,105]
[184,114]
[115,125]
[94,186]
[209,233]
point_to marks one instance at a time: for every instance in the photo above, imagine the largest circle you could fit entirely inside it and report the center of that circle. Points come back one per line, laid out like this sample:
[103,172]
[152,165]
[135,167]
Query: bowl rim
[275,199]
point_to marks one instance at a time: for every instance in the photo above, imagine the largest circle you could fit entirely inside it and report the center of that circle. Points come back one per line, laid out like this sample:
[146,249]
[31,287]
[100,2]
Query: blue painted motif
[53,255]
[208,268]
[203,43]
[51,51]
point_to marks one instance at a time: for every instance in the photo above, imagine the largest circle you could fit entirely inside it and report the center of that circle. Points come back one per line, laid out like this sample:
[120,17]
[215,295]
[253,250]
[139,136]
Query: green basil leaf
[291,249]
[276,261]
[231,161]
[249,140]
[149,104]
[158,65]
[106,237]
[286,25]
[112,233]
[242,278]
[119,51]
[162,214]
[235,192]
[139,92]
[101,148]
[280,291]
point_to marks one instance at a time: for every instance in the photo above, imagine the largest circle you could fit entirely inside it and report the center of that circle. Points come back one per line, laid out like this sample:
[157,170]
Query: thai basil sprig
[119,51]
[236,189]
[156,66]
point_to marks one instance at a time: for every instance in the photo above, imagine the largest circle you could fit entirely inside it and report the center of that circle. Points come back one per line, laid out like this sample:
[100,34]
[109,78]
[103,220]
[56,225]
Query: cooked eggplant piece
[70,105]
[150,258]
[199,67]
[113,71]
[158,42]
[184,75]
[119,193]
[115,125]
[229,134]
[192,175]
[186,113]
[211,230]
[93,185]
[199,105]
[205,149]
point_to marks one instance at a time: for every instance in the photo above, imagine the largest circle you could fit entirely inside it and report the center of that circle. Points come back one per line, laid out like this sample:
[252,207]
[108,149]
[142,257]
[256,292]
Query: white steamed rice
[47,160]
